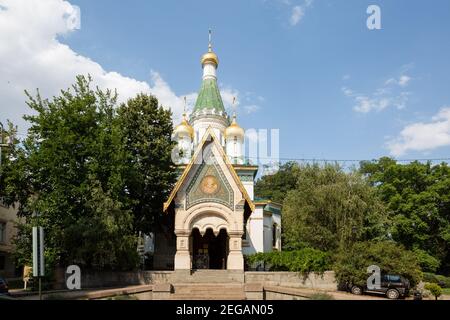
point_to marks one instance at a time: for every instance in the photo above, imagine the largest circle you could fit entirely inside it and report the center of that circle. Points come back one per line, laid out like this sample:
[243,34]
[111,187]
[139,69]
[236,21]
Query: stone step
[205,297]
[208,291]
[209,276]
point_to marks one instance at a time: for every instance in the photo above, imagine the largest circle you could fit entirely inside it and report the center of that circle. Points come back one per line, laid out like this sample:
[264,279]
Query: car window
[394,278]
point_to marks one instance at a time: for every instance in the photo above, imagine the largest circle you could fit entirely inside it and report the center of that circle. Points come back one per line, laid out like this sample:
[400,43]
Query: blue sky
[334,88]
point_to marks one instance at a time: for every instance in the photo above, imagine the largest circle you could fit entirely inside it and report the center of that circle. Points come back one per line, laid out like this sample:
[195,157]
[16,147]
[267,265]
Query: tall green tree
[276,186]
[78,169]
[330,209]
[418,198]
[146,130]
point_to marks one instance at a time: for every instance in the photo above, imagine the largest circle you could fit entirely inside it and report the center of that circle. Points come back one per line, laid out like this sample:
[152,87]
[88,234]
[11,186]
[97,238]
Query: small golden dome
[210,57]
[184,128]
[234,130]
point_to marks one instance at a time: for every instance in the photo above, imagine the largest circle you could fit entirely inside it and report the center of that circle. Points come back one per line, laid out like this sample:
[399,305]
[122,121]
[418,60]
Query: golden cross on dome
[209,41]
[234,107]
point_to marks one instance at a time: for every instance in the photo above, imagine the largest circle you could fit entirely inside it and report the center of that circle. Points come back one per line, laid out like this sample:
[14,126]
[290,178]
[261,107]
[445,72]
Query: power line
[346,160]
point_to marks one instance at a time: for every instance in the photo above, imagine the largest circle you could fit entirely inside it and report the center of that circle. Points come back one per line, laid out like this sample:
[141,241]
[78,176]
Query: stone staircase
[208,291]
[209,276]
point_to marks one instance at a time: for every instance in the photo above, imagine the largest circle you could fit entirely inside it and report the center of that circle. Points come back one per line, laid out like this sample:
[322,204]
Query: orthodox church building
[211,218]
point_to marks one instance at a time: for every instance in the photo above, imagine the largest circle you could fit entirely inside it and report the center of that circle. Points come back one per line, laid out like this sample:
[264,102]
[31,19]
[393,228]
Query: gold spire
[234,130]
[184,126]
[210,56]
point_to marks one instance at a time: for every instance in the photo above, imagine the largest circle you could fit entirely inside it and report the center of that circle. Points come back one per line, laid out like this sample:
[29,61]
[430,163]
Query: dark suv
[3,286]
[393,286]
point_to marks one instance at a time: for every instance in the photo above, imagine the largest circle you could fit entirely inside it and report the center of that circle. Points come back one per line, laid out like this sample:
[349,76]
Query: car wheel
[392,294]
[357,290]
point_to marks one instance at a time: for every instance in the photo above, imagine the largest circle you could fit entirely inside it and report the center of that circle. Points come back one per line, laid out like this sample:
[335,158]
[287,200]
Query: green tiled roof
[209,97]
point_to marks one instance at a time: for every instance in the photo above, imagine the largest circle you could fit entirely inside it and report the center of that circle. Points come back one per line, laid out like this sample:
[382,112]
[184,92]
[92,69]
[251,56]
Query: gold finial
[184,126]
[234,130]
[209,41]
[210,56]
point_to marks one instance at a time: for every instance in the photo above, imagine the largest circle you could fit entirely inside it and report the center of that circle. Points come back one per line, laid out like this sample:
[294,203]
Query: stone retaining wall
[326,281]
[90,279]
[104,279]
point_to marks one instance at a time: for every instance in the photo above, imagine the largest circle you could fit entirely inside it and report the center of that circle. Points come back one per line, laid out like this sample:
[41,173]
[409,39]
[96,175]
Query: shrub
[304,260]
[427,262]
[435,289]
[351,263]
[442,281]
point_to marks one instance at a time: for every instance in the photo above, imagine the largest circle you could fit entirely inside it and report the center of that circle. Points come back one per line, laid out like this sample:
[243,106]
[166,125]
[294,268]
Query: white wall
[255,234]
[267,233]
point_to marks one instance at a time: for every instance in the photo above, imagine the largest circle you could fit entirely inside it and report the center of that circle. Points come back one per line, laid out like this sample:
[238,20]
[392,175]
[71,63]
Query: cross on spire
[209,41]
[234,108]
[184,107]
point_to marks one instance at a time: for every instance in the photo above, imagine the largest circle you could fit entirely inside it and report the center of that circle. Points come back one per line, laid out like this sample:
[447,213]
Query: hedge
[442,281]
[304,260]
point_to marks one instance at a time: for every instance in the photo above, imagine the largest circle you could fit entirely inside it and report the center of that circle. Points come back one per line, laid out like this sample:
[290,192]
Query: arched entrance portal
[215,226]
[209,251]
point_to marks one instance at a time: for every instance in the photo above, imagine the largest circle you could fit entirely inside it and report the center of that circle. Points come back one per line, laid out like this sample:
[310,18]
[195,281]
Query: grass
[321,296]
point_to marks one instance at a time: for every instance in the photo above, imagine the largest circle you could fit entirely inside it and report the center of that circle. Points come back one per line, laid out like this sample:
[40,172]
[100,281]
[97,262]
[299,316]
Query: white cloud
[423,136]
[251,108]
[168,98]
[298,12]
[390,94]
[296,15]
[31,56]
[228,94]
[403,81]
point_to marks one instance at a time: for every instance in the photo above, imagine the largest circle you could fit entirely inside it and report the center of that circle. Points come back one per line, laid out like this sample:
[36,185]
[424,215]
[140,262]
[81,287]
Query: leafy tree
[146,131]
[105,237]
[418,199]
[435,289]
[351,263]
[276,186]
[81,167]
[427,262]
[330,208]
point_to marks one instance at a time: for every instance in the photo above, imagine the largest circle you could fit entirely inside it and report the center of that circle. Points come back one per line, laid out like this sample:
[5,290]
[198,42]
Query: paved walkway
[100,293]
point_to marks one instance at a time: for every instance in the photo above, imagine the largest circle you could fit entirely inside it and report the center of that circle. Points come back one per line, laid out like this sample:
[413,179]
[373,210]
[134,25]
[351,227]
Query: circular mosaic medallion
[209,185]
